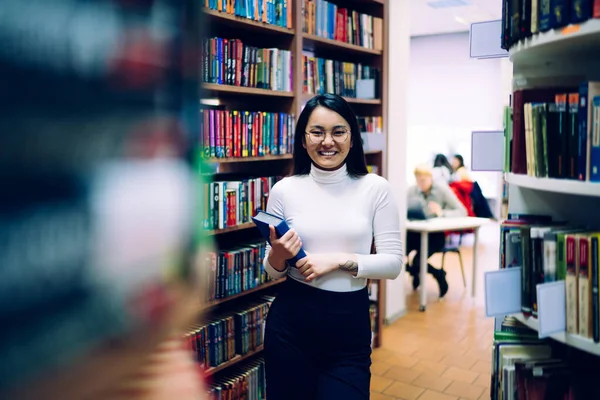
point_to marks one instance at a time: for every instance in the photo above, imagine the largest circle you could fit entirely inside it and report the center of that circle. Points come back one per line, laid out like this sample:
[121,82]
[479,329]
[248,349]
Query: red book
[596,11]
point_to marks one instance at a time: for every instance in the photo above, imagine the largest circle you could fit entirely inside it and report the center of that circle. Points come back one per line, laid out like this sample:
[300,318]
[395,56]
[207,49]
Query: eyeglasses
[339,135]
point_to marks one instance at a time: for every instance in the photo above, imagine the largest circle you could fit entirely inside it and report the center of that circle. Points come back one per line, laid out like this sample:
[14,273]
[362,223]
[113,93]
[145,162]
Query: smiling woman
[331,114]
[318,335]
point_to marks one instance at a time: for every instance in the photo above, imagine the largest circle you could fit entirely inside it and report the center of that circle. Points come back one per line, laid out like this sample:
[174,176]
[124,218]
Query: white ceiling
[451,15]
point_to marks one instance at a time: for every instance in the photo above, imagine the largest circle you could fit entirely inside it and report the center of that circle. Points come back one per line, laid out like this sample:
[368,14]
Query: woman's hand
[285,247]
[315,265]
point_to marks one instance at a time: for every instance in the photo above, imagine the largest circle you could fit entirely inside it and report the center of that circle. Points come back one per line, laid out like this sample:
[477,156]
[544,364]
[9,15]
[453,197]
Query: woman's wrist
[278,263]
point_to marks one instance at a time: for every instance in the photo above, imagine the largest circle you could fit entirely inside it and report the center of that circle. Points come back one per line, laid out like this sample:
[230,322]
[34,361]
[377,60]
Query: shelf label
[552,306]
[503,292]
[567,30]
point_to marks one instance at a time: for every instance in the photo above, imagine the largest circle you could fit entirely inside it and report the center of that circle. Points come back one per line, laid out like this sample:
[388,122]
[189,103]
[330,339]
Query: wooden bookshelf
[313,42]
[217,302]
[555,306]
[248,24]
[212,87]
[248,159]
[262,35]
[233,361]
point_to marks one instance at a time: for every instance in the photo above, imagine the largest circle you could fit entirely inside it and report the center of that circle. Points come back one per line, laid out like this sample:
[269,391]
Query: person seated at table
[460,171]
[437,200]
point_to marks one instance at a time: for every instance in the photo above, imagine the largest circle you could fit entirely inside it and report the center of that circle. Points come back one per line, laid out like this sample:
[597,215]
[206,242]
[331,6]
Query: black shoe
[440,277]
[414,272]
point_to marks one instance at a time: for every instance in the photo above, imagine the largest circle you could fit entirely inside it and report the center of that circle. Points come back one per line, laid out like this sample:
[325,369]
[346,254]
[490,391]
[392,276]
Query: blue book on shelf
[263,219]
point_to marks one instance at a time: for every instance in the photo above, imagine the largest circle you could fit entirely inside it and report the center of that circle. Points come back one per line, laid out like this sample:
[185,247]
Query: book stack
[330,21]
[233,133]
[331,76]
[527,368]
[232,202]
[273,12]
[229,61]
[234,271]
[522,19]
[229,334]
[549,251]
[556,132]
[246,381]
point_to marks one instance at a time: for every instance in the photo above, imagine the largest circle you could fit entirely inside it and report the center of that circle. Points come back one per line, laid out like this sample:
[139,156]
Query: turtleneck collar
[329,177]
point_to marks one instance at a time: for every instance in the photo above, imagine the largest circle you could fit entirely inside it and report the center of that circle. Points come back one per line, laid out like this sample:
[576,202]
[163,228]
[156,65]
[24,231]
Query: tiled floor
[443,353]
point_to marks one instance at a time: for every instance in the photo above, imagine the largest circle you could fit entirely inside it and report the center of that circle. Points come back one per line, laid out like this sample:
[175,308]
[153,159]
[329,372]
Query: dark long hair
[441,161]
[460,159]
[355,160]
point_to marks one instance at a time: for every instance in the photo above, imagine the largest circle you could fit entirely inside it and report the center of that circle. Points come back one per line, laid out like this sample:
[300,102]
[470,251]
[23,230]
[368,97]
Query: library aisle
[444,353]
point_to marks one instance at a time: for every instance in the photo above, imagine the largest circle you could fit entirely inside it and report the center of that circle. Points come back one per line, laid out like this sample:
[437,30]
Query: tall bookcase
[549,243]
[303,31]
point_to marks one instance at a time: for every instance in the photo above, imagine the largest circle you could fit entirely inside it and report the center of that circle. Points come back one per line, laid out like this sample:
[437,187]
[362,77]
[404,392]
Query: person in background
[442,170]
[460,171]
[437,200]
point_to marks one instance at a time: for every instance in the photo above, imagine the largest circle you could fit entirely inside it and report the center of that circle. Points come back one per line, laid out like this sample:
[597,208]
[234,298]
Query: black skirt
[318,344]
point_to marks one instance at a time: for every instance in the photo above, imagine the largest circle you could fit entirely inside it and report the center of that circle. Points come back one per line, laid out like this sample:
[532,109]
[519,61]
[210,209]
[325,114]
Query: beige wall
[398,48]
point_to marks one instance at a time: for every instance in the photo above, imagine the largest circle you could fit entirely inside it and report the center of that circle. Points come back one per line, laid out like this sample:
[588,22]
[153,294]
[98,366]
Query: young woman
[460,171]
[442,170]
[318,333]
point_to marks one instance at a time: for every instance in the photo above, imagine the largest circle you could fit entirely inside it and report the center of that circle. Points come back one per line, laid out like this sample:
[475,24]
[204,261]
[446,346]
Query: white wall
[450,95]
[398,48]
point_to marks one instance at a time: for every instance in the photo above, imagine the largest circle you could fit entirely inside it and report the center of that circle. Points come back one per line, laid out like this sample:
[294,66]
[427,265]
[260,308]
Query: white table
[442,225]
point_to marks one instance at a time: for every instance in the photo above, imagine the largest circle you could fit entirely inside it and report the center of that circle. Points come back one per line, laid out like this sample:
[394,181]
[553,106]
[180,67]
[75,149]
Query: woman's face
[328,139]
[455,163]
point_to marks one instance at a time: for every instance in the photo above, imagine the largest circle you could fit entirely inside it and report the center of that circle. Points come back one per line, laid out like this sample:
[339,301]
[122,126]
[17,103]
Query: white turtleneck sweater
[335,213]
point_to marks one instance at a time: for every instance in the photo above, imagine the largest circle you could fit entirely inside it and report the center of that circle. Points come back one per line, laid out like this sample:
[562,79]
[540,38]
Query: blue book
[263,219]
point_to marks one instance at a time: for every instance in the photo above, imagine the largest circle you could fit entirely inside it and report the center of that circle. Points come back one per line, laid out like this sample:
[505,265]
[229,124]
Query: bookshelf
[549,242]
[295,33]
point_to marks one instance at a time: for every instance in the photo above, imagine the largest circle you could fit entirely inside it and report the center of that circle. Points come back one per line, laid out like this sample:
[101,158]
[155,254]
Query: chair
[454,247]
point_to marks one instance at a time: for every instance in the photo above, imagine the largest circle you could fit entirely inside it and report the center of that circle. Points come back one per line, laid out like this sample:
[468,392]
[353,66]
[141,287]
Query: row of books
[556,132]
[523,18]
[219,338]
[273,12]
[245,382]
[234,133]
[373,124]
[527,368]
[549,251]
[330,21]
[235,200]
[233,271]
[231,62]
[322,75]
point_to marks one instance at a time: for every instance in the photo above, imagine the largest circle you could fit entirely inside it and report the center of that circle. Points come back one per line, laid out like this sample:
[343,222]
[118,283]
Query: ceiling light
[461,20]
[210,102]
[447,3]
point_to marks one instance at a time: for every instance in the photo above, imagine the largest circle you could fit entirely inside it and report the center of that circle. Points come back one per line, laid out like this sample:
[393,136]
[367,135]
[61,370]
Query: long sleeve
[387,263]
[274,206]
[452,206]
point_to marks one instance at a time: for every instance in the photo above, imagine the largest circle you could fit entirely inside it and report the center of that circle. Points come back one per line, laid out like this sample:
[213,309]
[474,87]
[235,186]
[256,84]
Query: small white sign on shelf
[487,151]
[502,292]
[485,40]
[551,303]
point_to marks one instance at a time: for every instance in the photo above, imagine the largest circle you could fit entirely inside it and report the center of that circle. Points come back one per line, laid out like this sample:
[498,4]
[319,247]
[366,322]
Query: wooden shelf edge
[353,100]
[216,302]
[567,186]
[241,227]
[238,358]
[247,22]
[567,34]
[245,90]
[247,159]
[340,45]
[576,341]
